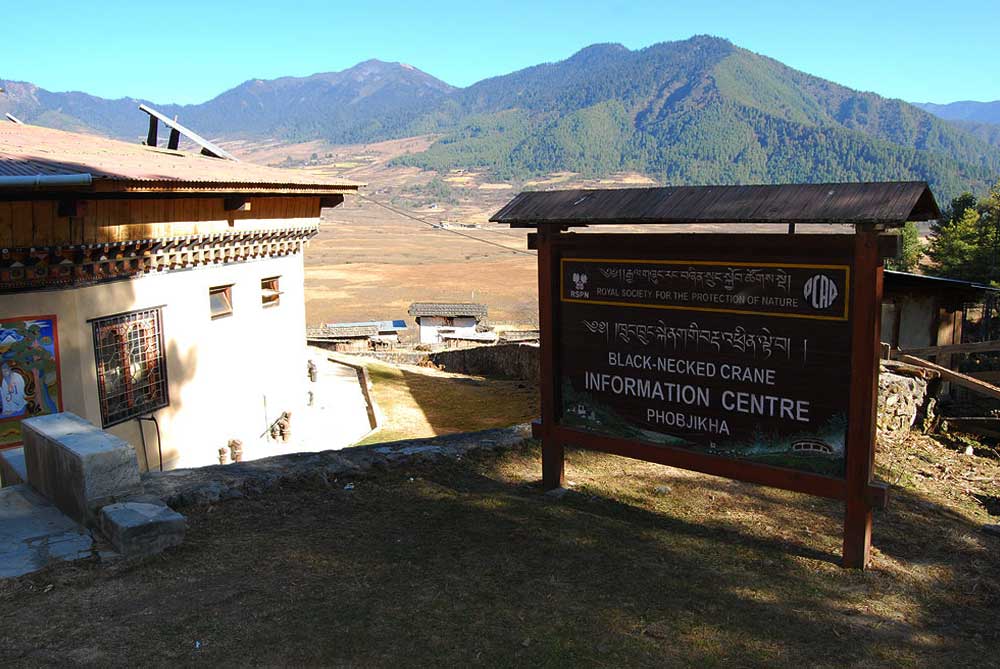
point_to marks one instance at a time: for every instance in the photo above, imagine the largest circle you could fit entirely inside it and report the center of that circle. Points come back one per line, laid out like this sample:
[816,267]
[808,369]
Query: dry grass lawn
[420,402]
[469,563]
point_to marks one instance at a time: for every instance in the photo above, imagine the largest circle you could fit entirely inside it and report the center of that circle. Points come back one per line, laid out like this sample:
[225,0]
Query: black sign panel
[746,360]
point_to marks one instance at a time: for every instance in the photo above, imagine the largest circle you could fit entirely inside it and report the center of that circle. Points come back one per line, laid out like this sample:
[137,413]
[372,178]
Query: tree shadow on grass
[470,563]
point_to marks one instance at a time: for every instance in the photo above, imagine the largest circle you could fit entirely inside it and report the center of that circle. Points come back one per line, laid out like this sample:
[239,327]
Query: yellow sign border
[671,307]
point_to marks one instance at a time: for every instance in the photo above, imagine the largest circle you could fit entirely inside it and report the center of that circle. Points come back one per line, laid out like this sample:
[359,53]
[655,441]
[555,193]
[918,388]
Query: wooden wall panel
[21,213]
[6,225]
[62,226]
[135,212]
[171,212]
[43,223]
[123,214]
[89,225]
[104,221]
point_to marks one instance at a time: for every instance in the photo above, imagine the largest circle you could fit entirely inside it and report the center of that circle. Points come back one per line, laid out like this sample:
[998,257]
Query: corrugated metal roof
[27,150]
[890,203]
[349,330]
[447,310]
[382,326]
[895,279]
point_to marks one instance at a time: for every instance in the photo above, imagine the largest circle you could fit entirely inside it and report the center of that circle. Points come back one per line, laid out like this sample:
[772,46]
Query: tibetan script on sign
[813,291]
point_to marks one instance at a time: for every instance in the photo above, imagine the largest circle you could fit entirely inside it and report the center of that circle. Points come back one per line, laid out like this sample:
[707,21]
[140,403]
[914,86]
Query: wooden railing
[916,357]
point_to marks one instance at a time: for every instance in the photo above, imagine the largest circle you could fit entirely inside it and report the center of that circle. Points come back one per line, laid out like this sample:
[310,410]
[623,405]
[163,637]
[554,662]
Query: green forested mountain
[965,110]
[987,132]
[697,111]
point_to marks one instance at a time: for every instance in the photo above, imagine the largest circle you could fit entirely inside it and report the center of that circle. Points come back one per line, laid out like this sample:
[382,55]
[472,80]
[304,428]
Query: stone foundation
[904,396]
[206,485]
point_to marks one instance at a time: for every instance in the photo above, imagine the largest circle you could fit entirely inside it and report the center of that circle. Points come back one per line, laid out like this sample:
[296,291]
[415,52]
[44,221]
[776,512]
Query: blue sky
[187,51]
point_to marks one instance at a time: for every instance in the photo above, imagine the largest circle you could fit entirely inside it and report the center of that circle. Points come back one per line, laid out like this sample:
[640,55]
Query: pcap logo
[820,291]
[580,281]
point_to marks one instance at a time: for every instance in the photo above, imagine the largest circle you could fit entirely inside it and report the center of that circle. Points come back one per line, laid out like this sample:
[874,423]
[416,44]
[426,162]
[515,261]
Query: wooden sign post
[747,356]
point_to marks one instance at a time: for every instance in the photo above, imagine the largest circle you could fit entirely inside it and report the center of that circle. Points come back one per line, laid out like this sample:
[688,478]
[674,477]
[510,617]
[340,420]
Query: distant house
[920,311]
[438,322]
[357,337]
[156,293]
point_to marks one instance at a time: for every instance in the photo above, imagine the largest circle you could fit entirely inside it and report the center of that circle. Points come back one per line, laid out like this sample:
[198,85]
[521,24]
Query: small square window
[270,294]
[220,299]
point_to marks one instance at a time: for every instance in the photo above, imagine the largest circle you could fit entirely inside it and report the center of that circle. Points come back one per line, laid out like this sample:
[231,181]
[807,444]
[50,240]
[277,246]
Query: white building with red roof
[157,293]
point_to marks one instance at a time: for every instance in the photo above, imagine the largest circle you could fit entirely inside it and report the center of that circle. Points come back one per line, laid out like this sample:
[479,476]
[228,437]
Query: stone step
[138,529]
[13,469]
[35,534]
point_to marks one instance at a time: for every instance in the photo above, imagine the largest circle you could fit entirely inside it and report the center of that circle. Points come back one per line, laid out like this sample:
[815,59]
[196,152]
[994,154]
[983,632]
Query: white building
[437,322]
[157,293]
[357,337]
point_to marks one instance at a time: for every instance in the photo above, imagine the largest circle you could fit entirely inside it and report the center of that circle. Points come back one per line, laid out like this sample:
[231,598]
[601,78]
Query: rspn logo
[820,291]
[580,283]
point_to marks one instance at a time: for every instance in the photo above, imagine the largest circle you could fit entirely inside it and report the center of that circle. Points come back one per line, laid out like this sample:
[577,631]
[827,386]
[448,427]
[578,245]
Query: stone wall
[508,361]
[905,397]
[207,485]
[394,357]
[512,361]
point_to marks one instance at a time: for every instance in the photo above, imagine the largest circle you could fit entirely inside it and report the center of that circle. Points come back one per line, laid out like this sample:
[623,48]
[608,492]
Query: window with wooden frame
[131,365]
[220,301]
[270,294]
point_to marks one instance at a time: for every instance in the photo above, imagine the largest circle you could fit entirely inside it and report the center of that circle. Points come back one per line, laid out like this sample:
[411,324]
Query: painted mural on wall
[29,373]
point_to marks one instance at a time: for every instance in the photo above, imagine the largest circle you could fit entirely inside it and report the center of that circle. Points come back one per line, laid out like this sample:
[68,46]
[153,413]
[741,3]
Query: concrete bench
[77,466]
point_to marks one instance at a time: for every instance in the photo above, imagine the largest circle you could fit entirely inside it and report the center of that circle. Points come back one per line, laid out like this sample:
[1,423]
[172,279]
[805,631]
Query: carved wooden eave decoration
[51,267]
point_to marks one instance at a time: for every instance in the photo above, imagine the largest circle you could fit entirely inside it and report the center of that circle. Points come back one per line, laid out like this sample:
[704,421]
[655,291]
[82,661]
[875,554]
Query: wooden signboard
[753,357]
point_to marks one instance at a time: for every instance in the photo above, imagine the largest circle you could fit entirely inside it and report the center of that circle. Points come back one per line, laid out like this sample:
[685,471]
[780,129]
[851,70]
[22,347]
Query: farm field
[370,264]
[378,253]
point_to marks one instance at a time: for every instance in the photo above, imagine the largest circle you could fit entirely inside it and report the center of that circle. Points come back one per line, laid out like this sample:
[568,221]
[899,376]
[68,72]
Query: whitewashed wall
[228,378]
[430,327]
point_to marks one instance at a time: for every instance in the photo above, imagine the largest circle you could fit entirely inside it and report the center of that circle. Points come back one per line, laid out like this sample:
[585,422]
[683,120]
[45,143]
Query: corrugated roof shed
[351,330]
[447,310]
[891,204]
[341,332]
[116,166]
[899,280]
[382,326]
